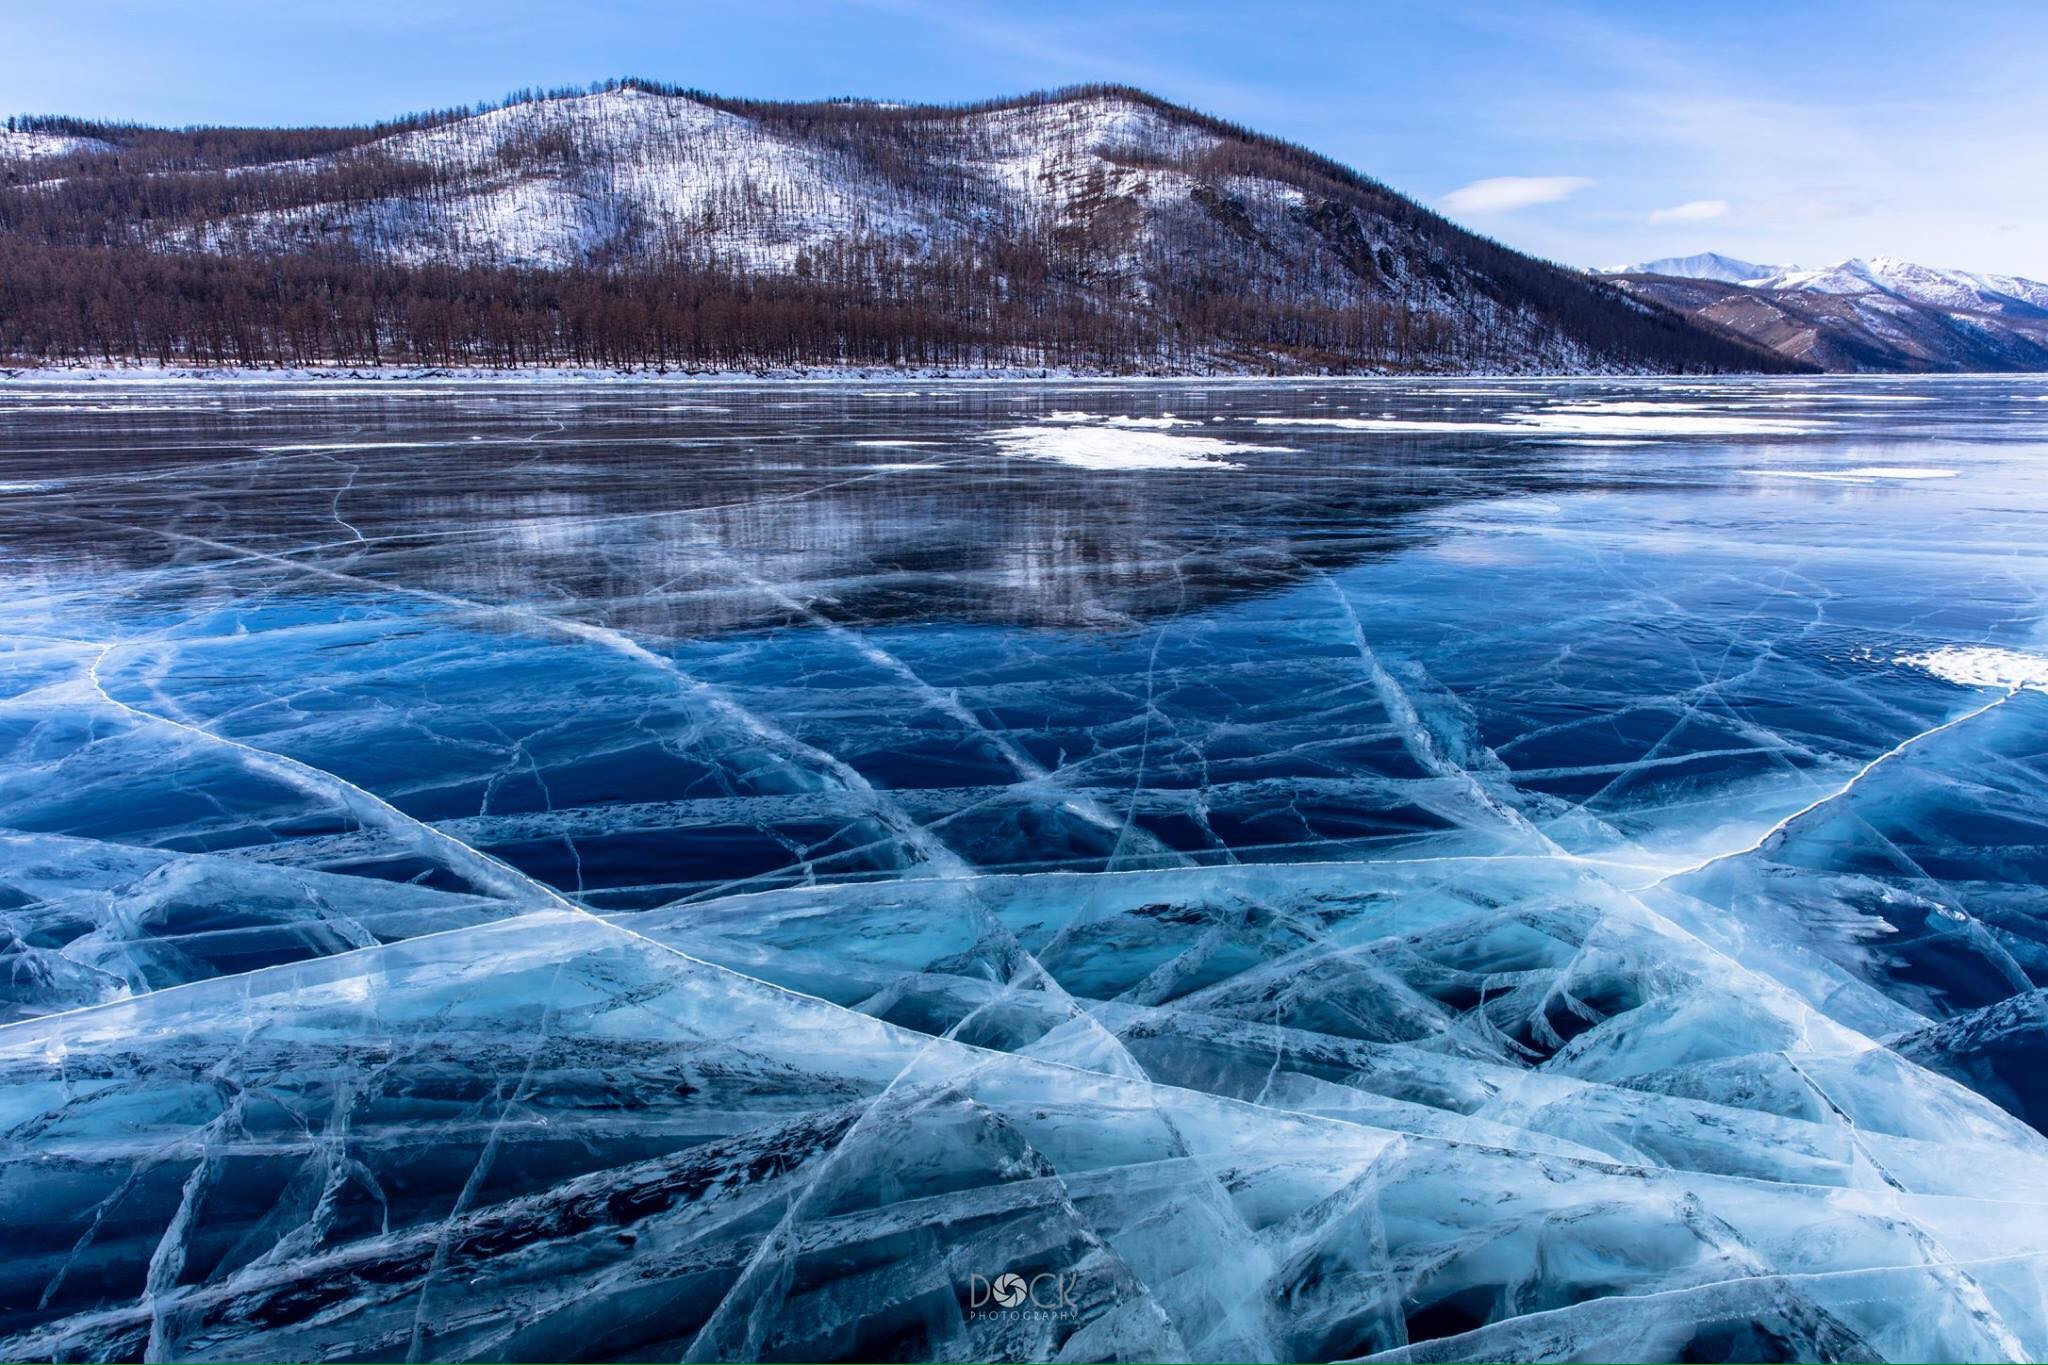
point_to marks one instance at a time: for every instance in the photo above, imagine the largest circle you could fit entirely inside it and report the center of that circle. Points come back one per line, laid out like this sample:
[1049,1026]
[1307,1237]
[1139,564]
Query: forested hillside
[640,225]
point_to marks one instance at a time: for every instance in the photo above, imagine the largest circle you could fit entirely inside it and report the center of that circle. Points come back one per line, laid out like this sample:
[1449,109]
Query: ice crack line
[1835,795]
[498,878]
[1415,736]
[947,702]
[912,836]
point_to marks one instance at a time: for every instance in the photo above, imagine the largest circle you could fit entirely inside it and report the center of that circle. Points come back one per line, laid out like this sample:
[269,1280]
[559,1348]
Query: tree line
[115,305]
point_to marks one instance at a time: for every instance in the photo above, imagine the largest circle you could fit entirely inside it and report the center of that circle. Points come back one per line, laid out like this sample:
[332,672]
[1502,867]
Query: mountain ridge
[637,223]
[1704,265]
[1867,313]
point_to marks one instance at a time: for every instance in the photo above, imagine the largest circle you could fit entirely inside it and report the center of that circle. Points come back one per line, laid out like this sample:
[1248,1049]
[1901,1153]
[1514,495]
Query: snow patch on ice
[1670,424]
[1565,422]
[1635,407]
[1868,473]
[1164,420]
[1094,447]
[1982,666]
[1401,424]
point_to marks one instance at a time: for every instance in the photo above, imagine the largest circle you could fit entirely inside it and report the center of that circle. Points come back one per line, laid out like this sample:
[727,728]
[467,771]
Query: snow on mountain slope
[22,145]
[553,182]
[1951,290]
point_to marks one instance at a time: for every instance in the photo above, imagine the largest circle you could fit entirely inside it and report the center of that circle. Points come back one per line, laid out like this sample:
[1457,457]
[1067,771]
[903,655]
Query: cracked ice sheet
[1426,998]
[739,1172]
[1591,809]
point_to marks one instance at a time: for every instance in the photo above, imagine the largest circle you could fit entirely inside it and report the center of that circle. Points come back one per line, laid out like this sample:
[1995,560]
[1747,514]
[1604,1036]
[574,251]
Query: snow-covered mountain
[1707,265]
[1092,226]
[556,182]
[1953,290]
[1867,313]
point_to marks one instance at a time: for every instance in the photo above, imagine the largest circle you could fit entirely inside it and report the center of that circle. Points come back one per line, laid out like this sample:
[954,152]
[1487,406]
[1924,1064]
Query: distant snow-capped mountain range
[1866,313]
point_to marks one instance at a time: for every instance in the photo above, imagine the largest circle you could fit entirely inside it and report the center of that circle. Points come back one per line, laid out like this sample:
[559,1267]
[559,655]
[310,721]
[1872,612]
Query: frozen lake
[1466,869]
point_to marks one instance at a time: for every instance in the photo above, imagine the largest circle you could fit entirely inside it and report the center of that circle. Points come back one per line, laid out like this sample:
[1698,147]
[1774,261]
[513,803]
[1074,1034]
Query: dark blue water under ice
[1434,870]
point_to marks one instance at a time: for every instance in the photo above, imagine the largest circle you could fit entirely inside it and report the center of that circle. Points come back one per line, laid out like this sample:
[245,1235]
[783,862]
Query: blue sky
[1592,133]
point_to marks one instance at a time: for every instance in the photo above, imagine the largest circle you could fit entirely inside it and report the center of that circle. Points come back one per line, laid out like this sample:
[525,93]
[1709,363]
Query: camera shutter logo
[1049,1294]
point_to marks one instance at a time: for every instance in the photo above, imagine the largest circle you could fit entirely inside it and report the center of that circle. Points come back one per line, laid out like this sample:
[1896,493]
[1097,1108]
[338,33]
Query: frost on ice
[503,899]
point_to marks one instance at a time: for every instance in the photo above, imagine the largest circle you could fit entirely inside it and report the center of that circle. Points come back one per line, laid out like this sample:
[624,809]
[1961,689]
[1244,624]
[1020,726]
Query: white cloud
[1504,193]
[1695,211]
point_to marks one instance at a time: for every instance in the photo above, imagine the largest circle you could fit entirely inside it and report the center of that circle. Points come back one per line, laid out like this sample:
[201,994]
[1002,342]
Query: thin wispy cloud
[1693,211]
[1506,193]
[1913,148]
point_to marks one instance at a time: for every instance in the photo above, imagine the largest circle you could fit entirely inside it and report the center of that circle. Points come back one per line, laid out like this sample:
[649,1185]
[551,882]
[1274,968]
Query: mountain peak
[1706,265]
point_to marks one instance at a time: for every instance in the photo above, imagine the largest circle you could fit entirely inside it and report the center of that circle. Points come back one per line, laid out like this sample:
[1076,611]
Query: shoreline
[414,375]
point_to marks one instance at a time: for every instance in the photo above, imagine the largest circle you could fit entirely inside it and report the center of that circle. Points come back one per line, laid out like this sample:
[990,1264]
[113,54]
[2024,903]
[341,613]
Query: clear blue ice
[1434,870]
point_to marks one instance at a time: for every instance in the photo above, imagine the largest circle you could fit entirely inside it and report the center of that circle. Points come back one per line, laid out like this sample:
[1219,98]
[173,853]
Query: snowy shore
[466,374]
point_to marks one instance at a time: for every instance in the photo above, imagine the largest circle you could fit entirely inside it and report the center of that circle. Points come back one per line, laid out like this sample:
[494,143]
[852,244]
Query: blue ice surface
[1433,870]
